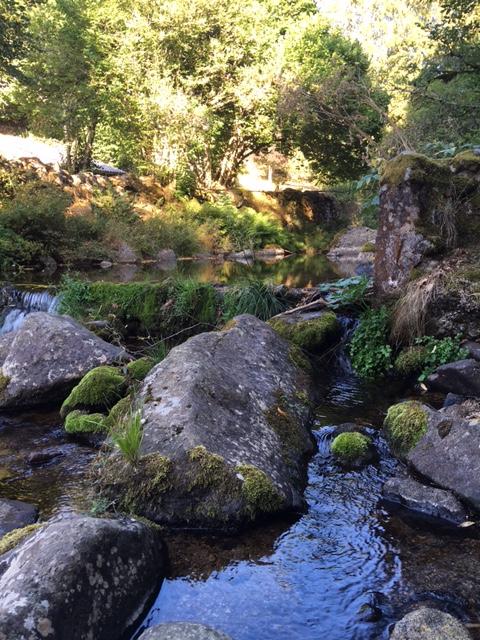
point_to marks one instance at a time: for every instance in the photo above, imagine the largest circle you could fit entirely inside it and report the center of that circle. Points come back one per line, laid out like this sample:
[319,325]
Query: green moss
[13,538]
[417,168]
[115,419]
[369,247]
[286,425]
[209,469]
[411,361]
[348,447]
[78,422]
[298,358]
[404,426]
[259,491]
[101,388]
[309,334]
[4,382]
[139,369]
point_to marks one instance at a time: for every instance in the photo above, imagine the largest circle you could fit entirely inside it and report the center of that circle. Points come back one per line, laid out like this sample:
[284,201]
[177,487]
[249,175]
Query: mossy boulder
[308,331]
[352,449]
[79,422]
[139,369]
[224,421]
[117,413]
[411,361]
[404,426]
[100,389]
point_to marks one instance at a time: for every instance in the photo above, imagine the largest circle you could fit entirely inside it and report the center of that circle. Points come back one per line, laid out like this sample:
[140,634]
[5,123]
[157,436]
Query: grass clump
[349,447]
[139,369]
[309,334]
[78,422]
[255,298]
[129,437]
[100,389]
[258,490]
[404,426]
[13,538]
[370,353]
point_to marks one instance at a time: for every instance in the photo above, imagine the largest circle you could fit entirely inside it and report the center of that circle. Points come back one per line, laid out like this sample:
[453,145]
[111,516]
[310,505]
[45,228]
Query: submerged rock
[224,432]
[47,356]
[461,377]
[429,624]
[79,578]
[15,514]
[428,501]
[182,631]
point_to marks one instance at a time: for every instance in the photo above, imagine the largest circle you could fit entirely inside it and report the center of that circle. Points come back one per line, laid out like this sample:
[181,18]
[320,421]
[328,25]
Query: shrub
[255,298]
[370,353]
[438,352]
[404,425]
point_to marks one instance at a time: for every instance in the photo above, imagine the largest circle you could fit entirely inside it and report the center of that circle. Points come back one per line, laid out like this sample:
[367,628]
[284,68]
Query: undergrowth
[370,353]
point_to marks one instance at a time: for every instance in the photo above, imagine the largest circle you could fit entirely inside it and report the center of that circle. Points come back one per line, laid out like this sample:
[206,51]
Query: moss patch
[209,469]
[78,422]
[13,538]
[415,167]
[411,361]
[115,419]
[369,247]
[258,490]
[298,358]
[404,426]
[309,334]
[139,369]
[100,389]
[4,382]
[348,447]
[286,425]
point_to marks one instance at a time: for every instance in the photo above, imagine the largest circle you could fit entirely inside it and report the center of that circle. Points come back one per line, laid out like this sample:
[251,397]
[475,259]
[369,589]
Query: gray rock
[461,377]
[473,349]
[167,255]
[79,578]
[182,631]
[429,624]
[349,252]
[429,501]
[448,452]
[47,356]
[15,514]
[225,416]
[125,254]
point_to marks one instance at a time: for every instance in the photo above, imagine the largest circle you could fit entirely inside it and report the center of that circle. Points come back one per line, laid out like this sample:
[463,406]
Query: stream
[344,570]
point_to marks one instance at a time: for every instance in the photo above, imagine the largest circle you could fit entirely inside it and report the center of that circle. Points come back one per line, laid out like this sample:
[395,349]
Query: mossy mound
[139,369]
[416,167]
[411,361]
[78,422]
[117,414]
[13,538]
[258,490]
[404,426]
[309,334]
[351,448]
[100,389]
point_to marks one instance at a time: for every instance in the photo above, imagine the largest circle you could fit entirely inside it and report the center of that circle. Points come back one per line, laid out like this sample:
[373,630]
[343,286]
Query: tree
[330,108]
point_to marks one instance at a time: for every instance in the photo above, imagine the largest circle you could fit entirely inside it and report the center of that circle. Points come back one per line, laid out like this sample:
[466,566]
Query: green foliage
[438,352]
[194,302]
[370,353]
[129,437]
[78,422]
[100,388]
[404,425]
[75,296]
[347,292]
[139,369]
[311,334]
[367,191]
[348,447]
[255,298]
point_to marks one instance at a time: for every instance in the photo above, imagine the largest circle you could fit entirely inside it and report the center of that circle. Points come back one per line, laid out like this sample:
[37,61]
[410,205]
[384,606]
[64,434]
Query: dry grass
[410,313]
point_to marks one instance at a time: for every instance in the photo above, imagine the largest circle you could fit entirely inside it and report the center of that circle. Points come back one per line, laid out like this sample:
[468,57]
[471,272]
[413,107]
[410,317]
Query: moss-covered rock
[404,426]
[78,422]
[312,334]
[4,381]
[139,369]
[352,448]
[117,414]
[100,389]
[411,361]
[13,538]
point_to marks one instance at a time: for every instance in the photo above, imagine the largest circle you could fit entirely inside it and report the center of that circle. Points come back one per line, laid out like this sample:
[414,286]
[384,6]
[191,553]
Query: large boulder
[461,377]
[224,432]
[182,631]
[79,578]
[355,249]
[15,514]
[429,624]
[47,356]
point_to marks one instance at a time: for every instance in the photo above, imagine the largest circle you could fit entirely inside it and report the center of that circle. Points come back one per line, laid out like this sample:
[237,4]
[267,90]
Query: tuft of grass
[129,438]
[255,298]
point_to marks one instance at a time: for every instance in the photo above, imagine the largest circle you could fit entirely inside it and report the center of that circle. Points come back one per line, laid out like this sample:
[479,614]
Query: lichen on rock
[404,426]
[99,389]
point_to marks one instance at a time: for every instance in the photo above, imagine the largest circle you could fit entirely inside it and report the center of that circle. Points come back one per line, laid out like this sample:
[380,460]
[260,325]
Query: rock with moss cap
[311,331]
[47,356]
[404,426]
[79,422]
[353,449]
[225,438]
[115,566]
[100,389]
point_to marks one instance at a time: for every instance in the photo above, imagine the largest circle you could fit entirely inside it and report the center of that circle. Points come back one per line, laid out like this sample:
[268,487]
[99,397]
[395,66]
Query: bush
[370,353]
[438,352]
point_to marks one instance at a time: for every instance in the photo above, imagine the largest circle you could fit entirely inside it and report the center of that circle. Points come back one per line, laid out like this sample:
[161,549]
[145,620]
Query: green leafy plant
[129,438]
[347,292]
[370,353]
[438,352]
[255,298]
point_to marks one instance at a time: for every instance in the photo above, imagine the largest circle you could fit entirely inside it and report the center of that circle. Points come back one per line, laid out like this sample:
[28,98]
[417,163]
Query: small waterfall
[17,304]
